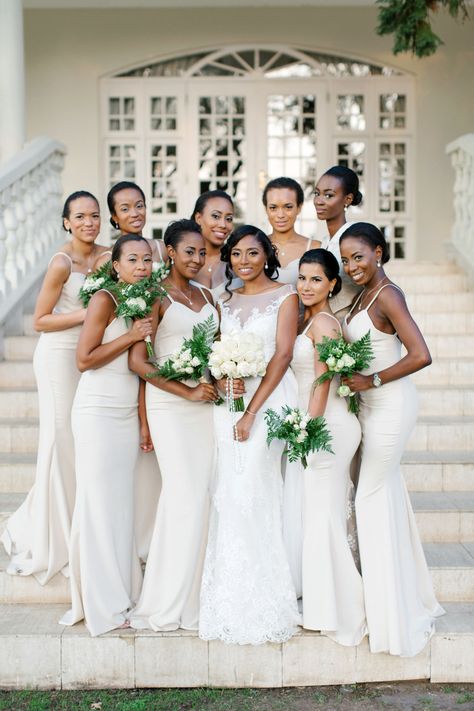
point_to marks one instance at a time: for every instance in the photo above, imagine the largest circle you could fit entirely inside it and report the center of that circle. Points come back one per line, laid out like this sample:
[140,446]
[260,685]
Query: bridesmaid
[181,423]
[283,199]
[127,207]
[214,213]
[335,191]
[399,599]
[126,202]
[105,569]
[322,562]
[37,534]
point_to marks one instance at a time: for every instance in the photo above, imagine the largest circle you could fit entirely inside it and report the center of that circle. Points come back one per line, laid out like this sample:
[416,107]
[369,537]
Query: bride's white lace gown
[247,594]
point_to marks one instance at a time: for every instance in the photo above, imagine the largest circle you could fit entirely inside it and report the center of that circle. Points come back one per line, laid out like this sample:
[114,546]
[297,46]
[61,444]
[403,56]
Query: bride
[247,594]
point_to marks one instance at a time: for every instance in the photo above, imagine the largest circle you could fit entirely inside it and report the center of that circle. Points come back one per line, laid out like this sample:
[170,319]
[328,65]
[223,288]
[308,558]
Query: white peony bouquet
[136,301]
[100,279]
[237,355]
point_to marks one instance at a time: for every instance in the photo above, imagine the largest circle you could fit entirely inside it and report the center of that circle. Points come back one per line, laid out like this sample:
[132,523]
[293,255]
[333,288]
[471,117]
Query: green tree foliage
[410,22]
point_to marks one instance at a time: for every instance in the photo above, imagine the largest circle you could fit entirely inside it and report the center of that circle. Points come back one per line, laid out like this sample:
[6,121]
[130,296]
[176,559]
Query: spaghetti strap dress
[289,274]
[105,569]
[36,536]
[183,436]
[399,598]
[316,514]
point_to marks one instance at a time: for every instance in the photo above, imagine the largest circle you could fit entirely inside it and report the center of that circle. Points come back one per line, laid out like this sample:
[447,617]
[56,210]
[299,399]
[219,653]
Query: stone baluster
[4,286]
[20,214]
[31,251]
[11,269]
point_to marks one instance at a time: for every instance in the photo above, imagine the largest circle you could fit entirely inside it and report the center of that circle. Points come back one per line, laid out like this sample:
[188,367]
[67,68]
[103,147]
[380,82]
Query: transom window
[234,118]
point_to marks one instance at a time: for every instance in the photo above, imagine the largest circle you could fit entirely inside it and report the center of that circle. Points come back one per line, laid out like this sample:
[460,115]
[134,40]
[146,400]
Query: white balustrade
[462,234]
[30,209]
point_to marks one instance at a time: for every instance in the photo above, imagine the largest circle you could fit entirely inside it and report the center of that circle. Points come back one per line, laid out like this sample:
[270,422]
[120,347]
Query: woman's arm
[285,340]
[139,364]
[146,443]
[102,259]
[321,326]
[392,311]
[91,352]
[44,319]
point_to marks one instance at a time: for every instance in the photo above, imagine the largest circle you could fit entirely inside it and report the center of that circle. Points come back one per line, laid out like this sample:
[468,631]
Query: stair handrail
[461,151]
[30,224]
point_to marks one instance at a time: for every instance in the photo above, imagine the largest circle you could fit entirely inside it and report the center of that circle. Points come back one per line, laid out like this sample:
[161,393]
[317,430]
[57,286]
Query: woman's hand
[204,392]
[141,328]
[358,382]
[146,444]
[238,386]
[243,426]
[81,313]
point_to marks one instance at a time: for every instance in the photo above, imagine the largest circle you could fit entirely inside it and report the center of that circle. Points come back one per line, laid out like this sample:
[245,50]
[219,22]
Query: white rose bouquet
[100,279]
[301,433]
[345,359]
[237,355]
[159,272]
[191,360]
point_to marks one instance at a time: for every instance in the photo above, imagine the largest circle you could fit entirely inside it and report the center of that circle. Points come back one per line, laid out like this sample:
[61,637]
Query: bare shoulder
[208,295]
[325,325]
[391,294]
[60,265]
[315,244]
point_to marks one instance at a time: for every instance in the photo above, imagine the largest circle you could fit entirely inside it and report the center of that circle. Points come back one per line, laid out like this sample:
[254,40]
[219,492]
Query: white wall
[67,51]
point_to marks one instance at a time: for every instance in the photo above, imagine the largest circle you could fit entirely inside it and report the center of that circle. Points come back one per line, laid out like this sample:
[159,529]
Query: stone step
[436,434]
[442,517]
[435,284]
[439,471]
[446,323]
[18,435]
[450,346]
[17,471]
[451,566]
[447,371]
[37,652]
[22,403]
[418,267]
[17,374]
[429,303]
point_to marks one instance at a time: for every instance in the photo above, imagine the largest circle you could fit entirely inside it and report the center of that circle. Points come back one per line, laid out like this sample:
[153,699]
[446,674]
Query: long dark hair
[272,265]
[329,264]
[370,234]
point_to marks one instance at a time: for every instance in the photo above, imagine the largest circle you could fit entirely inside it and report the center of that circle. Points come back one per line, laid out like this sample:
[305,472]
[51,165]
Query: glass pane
[156,124]
[171,105]
[350,112]
[205,105]
[114,106]
[114,125]
[129,106]
[155,107]
[129,124]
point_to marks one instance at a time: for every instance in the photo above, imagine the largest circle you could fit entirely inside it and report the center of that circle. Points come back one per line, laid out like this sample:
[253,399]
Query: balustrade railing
[462,233]
[30,206]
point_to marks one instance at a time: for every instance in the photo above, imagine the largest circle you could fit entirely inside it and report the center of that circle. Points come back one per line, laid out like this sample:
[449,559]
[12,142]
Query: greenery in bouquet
[301,433]
[100,279]
[237,355]
[192,359]
[345,359]
[136,301]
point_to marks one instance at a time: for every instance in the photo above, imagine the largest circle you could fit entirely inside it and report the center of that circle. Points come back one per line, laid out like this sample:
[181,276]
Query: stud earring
[70,231]
[116,225]
[266,265]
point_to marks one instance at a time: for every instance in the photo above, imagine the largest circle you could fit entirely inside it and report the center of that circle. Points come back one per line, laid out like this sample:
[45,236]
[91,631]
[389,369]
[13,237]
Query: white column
[12,79]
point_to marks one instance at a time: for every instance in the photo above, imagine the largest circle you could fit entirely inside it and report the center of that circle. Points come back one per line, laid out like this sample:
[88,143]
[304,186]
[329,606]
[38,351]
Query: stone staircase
[439,469]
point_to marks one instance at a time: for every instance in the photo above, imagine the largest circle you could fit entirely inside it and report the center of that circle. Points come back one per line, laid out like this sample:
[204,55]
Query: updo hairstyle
[123,185]
[204,198]
[329,264]
[349,180]
[117,250]
[75,196]
[371,235]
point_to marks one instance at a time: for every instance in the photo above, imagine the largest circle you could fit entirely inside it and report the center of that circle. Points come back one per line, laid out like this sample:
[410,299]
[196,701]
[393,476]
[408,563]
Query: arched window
[235,117]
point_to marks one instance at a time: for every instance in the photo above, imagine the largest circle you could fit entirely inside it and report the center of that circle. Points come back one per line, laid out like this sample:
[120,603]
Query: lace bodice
[255,313]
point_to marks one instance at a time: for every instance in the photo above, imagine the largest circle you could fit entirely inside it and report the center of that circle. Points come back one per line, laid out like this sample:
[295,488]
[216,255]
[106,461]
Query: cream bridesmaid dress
[341,302]
[289,274]
[105,569]
[37,535]
[316,511]
[183,436]
[399,598]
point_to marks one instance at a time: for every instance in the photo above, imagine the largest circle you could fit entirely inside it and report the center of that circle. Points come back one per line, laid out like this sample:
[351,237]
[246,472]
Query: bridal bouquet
[345,359]
[100,279]
[237,355]
[191,360]
[301,433]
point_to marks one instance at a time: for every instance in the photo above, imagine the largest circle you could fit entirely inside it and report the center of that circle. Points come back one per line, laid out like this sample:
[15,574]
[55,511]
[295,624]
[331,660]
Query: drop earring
[330,294]
[379,263]
[116,225]
[118,275]
[266,265]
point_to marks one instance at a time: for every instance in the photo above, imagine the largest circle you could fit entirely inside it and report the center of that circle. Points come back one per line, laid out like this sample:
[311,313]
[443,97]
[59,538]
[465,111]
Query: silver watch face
[376,380]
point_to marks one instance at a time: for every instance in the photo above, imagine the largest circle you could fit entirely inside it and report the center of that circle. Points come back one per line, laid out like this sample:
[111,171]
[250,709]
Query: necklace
[89,261]
[188,298]
[281,251]
[366,293]
[210,267]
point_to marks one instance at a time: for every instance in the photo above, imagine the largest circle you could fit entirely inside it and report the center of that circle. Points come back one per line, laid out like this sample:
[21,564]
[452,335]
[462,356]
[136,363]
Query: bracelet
[249,412]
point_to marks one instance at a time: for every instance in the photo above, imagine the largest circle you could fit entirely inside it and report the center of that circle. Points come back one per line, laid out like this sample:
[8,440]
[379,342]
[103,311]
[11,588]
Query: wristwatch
[376,382]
